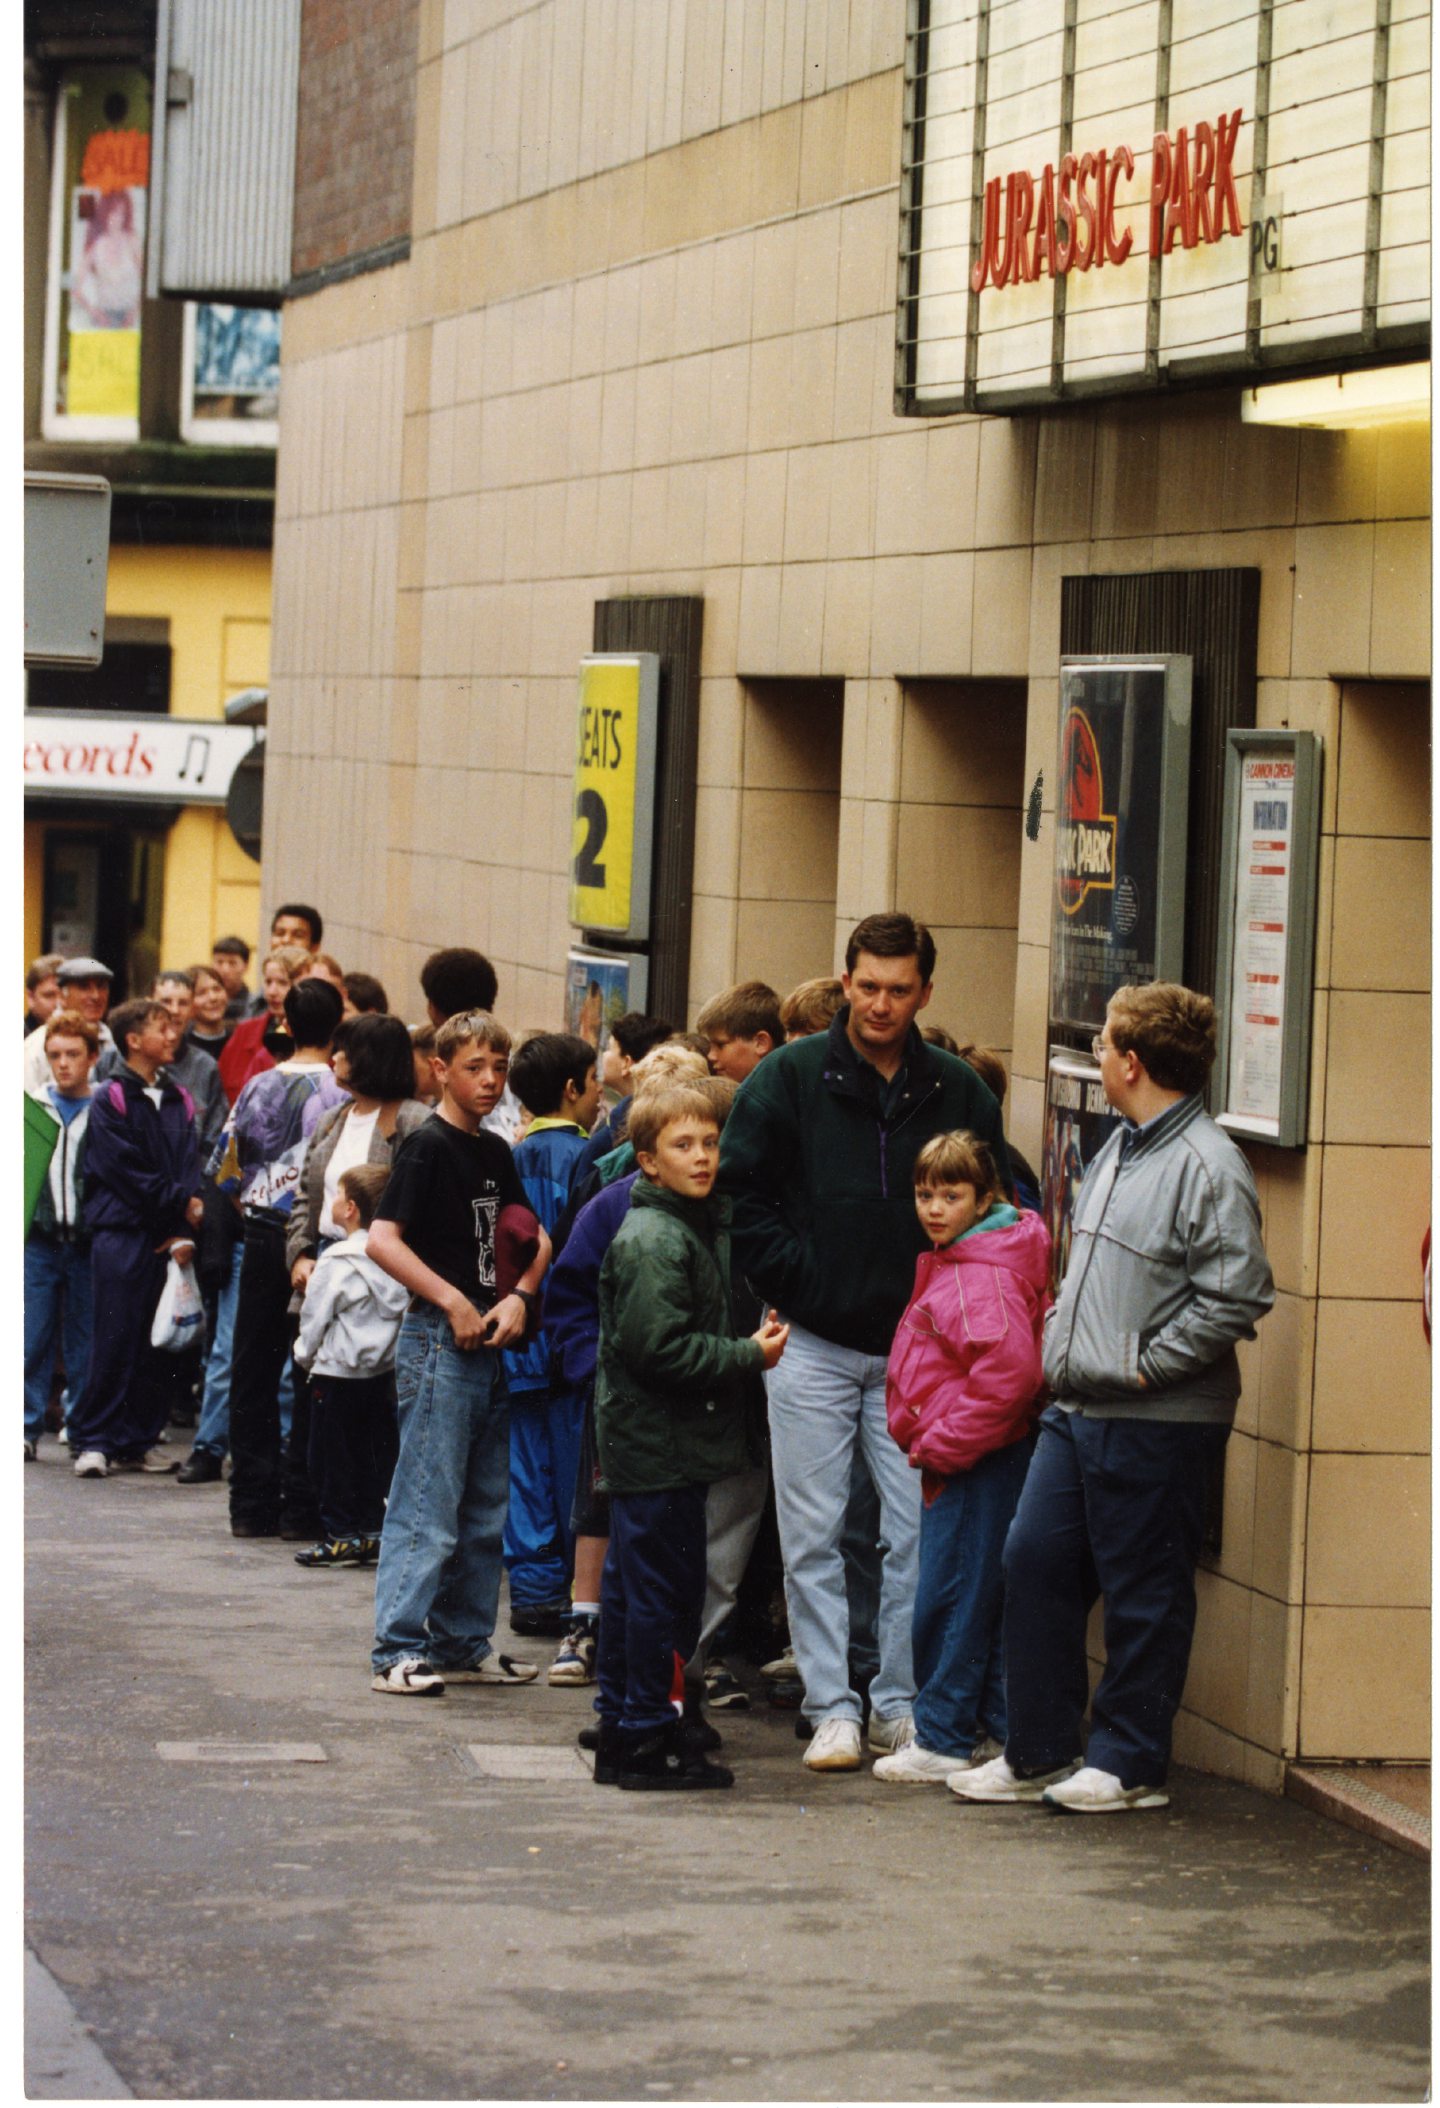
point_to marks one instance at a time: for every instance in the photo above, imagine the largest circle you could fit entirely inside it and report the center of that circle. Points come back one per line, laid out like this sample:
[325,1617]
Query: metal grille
[223,155]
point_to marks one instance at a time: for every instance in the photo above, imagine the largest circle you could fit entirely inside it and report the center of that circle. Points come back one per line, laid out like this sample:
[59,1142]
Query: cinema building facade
[1002,434]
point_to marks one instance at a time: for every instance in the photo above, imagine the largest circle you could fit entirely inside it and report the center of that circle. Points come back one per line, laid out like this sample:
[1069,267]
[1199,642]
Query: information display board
[1121,806]
[1267,947]
[614,809]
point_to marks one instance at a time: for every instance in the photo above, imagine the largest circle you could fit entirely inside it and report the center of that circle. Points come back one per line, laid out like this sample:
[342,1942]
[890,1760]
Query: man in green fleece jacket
[817,1158]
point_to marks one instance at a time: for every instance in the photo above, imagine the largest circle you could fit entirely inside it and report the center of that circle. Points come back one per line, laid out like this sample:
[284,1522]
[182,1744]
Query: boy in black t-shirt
[437,1588]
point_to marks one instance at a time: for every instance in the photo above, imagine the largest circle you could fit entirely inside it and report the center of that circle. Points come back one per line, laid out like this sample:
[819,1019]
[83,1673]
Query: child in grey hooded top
[349,1326]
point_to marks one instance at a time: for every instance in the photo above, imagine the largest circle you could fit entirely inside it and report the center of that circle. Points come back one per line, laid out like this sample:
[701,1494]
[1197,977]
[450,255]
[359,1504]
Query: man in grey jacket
[1167,1272]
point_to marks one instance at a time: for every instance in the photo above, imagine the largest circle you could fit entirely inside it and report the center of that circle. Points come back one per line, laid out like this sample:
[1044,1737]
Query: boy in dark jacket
[142,1200]
[669,1419]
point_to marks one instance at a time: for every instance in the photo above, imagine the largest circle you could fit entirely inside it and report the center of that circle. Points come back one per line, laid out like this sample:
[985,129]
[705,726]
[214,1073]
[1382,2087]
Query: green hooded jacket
[671,1381]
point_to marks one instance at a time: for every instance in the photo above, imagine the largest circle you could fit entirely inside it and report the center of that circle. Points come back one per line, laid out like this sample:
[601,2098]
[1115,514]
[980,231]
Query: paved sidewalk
[409,1918]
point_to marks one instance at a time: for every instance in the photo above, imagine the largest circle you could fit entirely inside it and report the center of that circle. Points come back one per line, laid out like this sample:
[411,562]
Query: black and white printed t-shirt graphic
[446,1191]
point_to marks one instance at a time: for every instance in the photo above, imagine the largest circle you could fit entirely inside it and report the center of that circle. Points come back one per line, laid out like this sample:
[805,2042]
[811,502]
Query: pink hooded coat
[964,1375]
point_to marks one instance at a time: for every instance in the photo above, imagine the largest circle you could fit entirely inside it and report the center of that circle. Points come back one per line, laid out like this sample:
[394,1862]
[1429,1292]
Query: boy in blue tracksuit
[554,1076]
[142,1198]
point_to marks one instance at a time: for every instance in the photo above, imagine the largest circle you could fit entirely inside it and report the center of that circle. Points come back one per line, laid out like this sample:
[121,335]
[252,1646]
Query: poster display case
[1269,858]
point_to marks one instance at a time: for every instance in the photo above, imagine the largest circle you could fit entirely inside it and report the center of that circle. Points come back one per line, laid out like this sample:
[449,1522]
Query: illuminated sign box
[1097,200]
[614,812]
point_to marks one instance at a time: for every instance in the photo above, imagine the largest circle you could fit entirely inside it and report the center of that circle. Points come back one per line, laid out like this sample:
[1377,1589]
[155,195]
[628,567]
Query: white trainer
[409,1678]
[914,1766]
[92,1464]
[1093,1792]
[834,1746]
[782,1667]
[995,1781]
[886,1736]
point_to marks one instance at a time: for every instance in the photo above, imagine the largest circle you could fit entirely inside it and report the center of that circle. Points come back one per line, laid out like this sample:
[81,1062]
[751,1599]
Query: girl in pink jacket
[962,1395]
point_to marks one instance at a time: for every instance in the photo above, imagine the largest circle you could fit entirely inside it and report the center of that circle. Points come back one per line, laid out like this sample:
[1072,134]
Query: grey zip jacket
[1167,1270]
[350,1319]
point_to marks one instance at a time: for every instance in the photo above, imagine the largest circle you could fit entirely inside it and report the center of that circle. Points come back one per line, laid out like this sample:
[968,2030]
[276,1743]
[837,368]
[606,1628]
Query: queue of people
[784,1307]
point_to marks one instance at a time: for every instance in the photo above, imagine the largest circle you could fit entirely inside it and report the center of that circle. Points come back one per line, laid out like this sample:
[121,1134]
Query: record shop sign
[189,761]
[1118,913]
[614,810]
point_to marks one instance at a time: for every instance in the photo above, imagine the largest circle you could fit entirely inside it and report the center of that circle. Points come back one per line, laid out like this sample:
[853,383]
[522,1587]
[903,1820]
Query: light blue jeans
[437,1587]
[827,1404]
[213,1433]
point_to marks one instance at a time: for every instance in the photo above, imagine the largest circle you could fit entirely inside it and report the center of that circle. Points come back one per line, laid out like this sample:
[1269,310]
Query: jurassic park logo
[1085,844]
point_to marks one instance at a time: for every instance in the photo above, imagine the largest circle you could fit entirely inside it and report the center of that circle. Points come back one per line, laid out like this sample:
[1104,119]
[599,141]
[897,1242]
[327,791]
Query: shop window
[95,311]
[98,202]
[230,386]
[133,680]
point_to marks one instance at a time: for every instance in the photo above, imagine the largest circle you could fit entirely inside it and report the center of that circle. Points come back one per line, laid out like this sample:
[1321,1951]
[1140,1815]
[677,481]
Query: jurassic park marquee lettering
[1066,221]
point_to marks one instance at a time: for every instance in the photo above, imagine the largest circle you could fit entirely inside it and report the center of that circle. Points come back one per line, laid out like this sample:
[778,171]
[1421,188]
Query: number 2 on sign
[590,809]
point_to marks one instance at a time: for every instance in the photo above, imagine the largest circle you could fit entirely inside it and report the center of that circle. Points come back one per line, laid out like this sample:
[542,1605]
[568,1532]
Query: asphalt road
[400,1922]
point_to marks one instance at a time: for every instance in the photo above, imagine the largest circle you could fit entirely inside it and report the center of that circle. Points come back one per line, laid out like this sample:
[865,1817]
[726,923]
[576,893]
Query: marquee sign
[1074,228]
[1100,199]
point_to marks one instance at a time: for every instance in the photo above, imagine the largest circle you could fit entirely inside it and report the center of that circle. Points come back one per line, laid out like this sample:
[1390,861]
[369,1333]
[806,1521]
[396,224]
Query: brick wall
[355,149]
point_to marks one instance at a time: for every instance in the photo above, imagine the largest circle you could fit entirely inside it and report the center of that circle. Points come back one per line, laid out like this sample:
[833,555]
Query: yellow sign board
[614,793]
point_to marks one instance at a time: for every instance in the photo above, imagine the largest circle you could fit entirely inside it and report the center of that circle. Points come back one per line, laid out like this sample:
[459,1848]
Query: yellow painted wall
[217,604]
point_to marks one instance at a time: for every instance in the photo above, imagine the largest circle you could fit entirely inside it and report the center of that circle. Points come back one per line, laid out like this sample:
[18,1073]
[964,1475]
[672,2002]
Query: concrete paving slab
[241,1753]
[391,1925]
[527,1760]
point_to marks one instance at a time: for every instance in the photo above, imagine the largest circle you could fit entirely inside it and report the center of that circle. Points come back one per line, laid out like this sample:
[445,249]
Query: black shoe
[304,1532]
[588,1738]
[240,1526]
[201,1468]
[608,1742]
[542,1621]
[369,1551]
[786,1693]
[696,1733]
[657,1762]
[333,1551]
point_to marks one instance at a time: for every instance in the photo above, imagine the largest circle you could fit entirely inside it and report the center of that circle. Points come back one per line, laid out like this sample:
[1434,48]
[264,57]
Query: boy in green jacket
[669,1418]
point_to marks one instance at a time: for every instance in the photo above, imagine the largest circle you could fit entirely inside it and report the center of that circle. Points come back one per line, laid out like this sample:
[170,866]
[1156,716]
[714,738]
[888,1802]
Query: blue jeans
[1112,1508]
[57,1308]
[213,1433]
[545,1429]
[827,1405]
[437,1588]
[959,1661]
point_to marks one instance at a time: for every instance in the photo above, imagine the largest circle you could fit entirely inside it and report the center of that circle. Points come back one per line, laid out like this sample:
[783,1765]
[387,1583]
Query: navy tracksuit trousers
[1111,1508]
[122,1405]
[652,1596]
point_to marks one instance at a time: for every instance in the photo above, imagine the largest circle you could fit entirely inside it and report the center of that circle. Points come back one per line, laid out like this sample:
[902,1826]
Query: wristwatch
[526,1295]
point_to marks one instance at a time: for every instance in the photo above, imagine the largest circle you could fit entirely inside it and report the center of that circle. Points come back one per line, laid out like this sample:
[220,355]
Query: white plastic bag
[179,1315]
